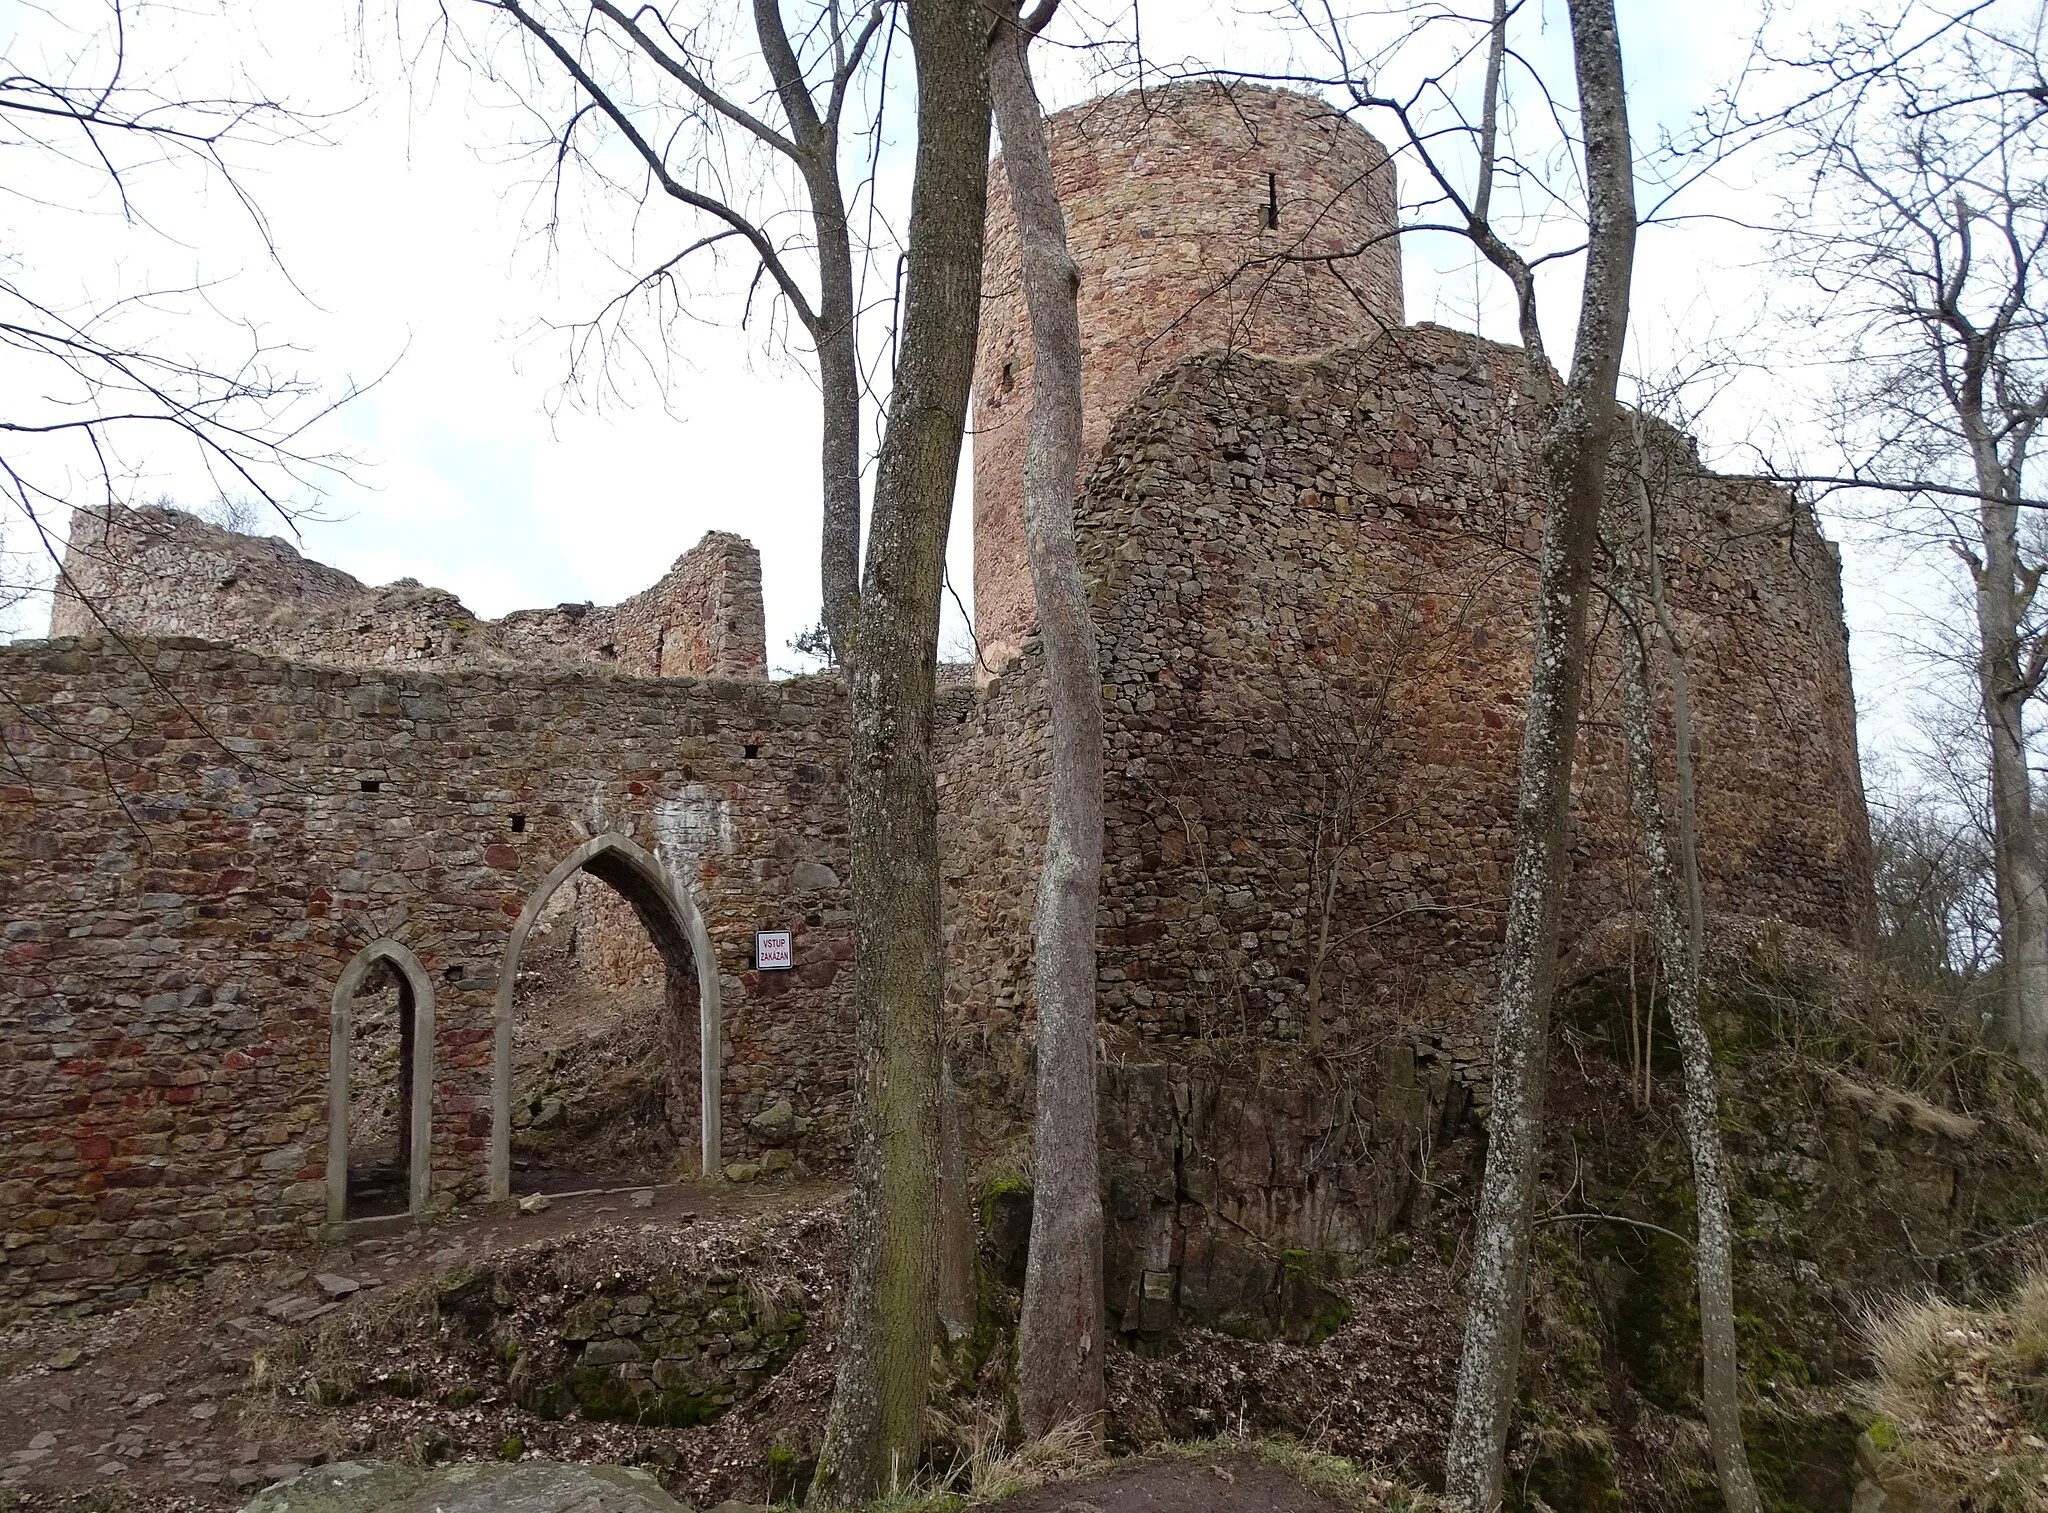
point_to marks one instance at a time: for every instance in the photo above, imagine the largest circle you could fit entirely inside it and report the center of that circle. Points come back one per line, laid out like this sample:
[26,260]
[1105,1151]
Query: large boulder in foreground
[525,1487]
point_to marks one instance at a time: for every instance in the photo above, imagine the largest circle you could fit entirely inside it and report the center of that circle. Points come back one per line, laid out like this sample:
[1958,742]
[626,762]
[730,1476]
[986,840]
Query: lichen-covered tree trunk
[1060,1335]
[1700,1104]
[839,386]
[874,1430]
[1576,451]
[1681,714]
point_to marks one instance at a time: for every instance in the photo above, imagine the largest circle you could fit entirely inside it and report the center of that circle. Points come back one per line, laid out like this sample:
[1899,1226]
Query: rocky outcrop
[1877,1151]
[536,1487]
[1232,1195]
[663,1345]
[678,1354]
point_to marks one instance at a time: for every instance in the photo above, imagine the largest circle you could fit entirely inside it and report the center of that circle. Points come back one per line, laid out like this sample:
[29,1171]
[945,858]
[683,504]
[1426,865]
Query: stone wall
[194,842]
[1202,216]
[1314,584]
[164,572]
[1313,581]
[703,619]
[993,774]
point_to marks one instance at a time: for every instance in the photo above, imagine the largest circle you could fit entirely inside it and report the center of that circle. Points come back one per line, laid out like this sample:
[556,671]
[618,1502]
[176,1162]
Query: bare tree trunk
[1575,455]
[2003,688]
[839,397]
[1059,1336]
[817,157]
[1700,1108]
[957,1301]
[875,1428]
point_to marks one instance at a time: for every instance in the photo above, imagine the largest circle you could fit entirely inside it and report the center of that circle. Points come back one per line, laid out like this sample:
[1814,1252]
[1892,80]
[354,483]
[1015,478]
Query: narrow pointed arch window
[380,1104]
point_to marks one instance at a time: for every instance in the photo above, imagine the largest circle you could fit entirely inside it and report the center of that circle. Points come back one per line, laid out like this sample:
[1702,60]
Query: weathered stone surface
[1312,697]
[1196,213]
[1313,583]
[166,573]
[195,841]
[813,875]
[679,1351]
[1227,1196]
[1313,580]
[528,1487]
[779,1124]
[1008,1226]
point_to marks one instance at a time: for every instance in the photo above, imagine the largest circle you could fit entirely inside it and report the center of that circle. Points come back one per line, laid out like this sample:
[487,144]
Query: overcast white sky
[414,244]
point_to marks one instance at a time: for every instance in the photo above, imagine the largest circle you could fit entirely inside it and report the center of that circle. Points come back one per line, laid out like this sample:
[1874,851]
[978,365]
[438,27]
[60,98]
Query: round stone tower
[1202,215]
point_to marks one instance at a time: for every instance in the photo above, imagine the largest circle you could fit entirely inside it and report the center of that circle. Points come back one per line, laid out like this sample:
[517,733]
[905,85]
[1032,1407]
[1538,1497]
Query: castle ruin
[240,782]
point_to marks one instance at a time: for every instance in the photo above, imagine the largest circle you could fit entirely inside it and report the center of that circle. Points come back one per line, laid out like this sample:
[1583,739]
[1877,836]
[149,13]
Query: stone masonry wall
[191,850]
[993,779]
[164,572]
[703,619]
[1314,584]
[1201,216]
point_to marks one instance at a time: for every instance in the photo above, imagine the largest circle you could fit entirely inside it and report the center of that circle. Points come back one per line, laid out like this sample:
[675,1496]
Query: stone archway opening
[381,1086]
[382,1064]
[606,1063]
[604,1046]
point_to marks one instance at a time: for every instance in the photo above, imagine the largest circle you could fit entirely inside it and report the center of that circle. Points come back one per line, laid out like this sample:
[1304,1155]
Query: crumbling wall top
[163,572]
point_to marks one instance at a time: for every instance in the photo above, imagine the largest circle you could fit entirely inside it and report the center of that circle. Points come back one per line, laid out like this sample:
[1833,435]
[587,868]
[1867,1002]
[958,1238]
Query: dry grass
[1961,1402]
[1070,1450]
[983,1467]
[986,1470]
[1887,1104]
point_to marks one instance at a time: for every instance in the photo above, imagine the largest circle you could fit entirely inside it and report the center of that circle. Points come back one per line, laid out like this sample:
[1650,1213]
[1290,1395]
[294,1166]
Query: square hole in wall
[752,749]
[518,824]
[372,785]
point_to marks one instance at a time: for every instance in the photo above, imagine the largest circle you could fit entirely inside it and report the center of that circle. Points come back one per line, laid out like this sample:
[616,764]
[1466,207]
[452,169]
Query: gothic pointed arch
[672,919]
[416,1010]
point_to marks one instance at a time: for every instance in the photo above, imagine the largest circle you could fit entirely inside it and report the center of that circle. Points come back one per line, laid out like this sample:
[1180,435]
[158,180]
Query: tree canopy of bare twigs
[743,120]
[1924,232]
[1937,898]
[107,388]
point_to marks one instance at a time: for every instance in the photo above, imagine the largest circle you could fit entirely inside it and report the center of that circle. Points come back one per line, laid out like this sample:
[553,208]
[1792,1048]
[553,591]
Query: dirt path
[137,1409]
[1222,1483]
